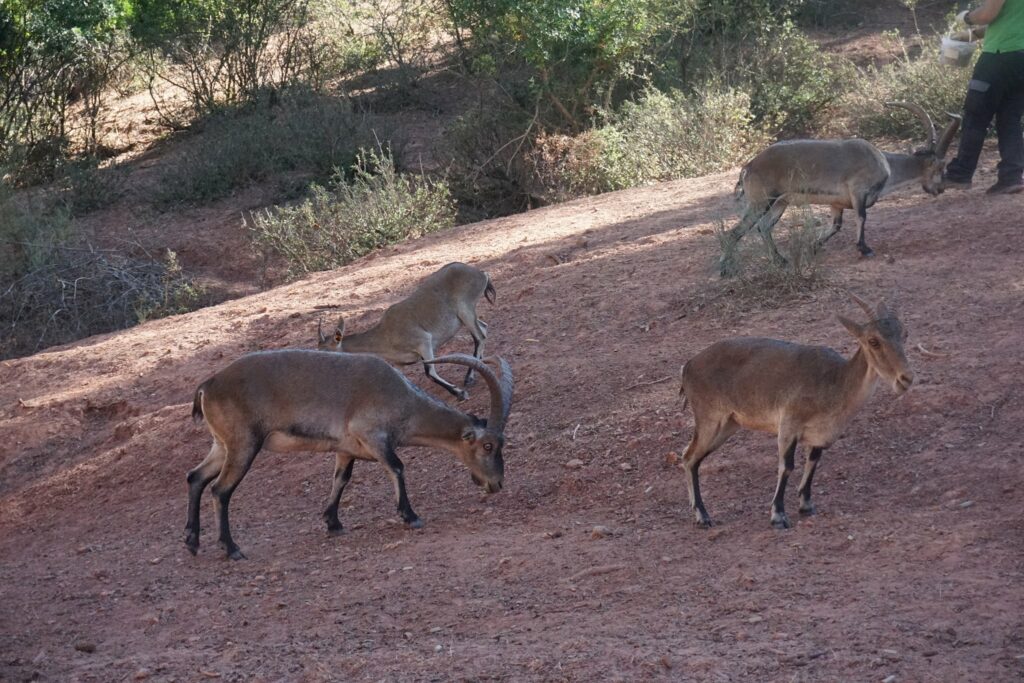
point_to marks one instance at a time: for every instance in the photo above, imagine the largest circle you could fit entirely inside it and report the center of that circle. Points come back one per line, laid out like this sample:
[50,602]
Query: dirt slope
[912,569]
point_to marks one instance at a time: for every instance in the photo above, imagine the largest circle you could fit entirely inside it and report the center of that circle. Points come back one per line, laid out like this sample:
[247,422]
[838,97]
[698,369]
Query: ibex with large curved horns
[353,404]
[803,394]
[844,174]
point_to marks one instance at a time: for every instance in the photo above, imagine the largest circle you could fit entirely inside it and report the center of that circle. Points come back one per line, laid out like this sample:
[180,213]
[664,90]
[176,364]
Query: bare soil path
[912,569]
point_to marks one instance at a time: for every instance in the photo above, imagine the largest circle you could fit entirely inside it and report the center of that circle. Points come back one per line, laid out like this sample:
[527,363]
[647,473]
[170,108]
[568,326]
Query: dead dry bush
[759,280]
[75,292]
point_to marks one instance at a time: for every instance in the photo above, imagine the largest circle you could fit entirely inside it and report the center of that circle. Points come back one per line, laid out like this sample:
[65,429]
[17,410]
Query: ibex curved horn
[947,135]
[919,111]
[864,305]
[501,389]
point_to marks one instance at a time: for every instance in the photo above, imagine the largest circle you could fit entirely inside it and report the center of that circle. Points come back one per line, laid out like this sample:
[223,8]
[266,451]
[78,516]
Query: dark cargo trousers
[996,90]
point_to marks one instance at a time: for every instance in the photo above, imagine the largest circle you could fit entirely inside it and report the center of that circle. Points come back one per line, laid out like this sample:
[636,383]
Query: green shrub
[935,87]
[792,83]
[55,289]
[305,137]
[659,137]
[335,226]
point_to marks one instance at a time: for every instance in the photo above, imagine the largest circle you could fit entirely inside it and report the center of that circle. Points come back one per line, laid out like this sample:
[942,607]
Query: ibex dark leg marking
[702,445]
[806,506]
[837,224]
[342,474]
[239,460]
[386,455]
[478,330]
[197,479]
[862,216]
[765,226]
[787,447]
[428,354]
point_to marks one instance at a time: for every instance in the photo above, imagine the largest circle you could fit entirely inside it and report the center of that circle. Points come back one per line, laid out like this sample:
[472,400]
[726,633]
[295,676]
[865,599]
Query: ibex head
[482,440]
[933,155]
[881,340]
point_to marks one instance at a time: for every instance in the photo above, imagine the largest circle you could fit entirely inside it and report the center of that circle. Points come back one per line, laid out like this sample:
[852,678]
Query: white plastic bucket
[956,52]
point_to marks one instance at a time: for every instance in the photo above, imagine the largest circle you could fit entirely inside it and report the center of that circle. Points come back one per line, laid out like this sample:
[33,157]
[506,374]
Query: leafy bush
[226,52]
[483,151]
[54,290]
[307,136]
[335,226]
[935,87]
[54,55]
[659,137]
[574,51]
[792,83]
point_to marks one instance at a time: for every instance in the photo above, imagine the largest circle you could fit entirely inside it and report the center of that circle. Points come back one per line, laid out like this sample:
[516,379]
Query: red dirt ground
[912,571]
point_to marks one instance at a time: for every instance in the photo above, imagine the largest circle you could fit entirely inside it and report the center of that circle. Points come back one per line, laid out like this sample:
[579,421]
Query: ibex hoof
[808,510]
[780,521]
[470,381]
[865,250]
[415,523]
[462,395]
[704,521]
[335,529]
[192,543]
[232,552]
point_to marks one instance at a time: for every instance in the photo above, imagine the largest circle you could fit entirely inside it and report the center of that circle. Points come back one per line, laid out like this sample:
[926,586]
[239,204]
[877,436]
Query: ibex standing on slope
[844,174]
[354,404]
[412,330]
[803,394]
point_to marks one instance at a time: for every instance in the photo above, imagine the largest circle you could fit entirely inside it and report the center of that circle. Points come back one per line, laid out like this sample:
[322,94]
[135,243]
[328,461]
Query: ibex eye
[874,343]
[488,446]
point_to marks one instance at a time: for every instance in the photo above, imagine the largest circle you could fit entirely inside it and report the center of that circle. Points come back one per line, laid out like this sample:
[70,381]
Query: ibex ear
[339,331]
[851,326]
[320,336]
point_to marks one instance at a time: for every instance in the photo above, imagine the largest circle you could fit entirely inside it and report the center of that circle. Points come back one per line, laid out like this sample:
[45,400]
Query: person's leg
[979,107]
[1008,122]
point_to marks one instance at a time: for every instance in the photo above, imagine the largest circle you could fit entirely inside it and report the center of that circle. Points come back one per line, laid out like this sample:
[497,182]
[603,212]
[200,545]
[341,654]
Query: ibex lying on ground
[412,330]
[354,404]
[845,174]
[804,394]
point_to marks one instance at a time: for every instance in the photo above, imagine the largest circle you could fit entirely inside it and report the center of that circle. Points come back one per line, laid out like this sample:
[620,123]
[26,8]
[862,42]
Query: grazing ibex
[412,330]
[844,174]
[354,404]
[803,394]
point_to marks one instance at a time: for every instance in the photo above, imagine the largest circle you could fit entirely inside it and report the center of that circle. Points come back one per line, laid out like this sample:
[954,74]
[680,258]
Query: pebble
[142,674]
[889,679]
[757,618]
[966,504]
[85,646]
[625,466]
[438,648]
[600,532]
[574,464]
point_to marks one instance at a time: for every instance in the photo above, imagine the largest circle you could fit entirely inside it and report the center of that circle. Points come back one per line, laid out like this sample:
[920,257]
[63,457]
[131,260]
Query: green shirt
[1006,33]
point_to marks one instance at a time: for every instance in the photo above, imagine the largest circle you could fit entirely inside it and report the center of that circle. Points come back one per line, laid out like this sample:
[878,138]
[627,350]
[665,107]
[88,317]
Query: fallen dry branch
[597,571]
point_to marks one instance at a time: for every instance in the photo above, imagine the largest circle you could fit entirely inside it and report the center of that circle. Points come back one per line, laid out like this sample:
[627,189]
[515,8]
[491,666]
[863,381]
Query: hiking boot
[954,184]
[1006,188]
